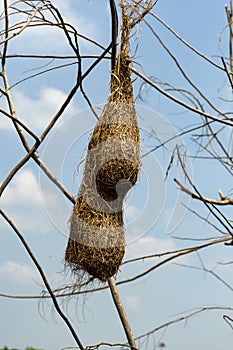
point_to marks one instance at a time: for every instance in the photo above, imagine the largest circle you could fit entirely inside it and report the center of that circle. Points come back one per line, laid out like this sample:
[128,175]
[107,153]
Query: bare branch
[21,27]
[114,32]
[211,272]
[176,255]
[185,42]
[223,201]
[228,320]
[191,83]
[221,218]
[59,57]
[29,131]
[184,318]
[31,152]
[230,24]
[229,74]
[226,121]
[99,345]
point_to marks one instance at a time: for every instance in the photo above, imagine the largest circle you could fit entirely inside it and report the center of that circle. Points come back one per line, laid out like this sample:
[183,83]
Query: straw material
[97,240]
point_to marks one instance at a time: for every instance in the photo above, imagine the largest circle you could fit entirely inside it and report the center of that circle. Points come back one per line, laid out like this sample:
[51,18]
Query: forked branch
[224,200]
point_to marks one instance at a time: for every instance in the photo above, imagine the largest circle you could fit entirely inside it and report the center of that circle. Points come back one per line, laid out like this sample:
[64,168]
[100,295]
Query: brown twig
[228,320]
[229,74]
[222,201]
[25,127]
[31,152]
[114,32]
[226,121]
[184,74]
[184,318]
[211,272]
[99,345]
[176,255]
[185,42]
[230,24]
[212,208]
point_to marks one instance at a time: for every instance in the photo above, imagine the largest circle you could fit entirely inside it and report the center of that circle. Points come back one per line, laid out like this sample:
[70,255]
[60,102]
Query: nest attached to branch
[97,239]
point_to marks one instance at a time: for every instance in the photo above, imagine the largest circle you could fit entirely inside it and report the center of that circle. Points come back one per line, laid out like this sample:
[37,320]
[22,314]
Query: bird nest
[97,239]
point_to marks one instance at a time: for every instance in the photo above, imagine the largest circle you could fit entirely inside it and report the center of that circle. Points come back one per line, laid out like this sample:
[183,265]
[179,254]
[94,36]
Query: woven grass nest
[97,239]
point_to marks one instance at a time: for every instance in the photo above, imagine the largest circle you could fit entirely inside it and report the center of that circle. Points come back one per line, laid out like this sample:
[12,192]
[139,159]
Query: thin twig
[31,152]
[228,320]
[223,201]
[99,345]
[226,121]
[230,24]
[179,66]
[184,318]
[229,74]
[211,272]
[25,127]
[114,32]
[57,57]
[179,253]
[185,42]
[212,208]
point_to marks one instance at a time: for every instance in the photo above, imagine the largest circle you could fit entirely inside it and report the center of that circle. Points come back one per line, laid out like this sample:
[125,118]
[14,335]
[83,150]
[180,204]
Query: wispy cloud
[22,199]
[132,302]
[149,245]
[24,188]
[37,112]
[18,273]
[48,38]
[130,211]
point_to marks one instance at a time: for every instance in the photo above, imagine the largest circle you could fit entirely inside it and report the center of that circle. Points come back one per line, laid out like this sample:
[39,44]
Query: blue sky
[41,212]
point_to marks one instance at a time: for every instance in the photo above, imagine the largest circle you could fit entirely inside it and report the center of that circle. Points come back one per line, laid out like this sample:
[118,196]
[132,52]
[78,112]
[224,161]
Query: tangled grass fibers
[97,240]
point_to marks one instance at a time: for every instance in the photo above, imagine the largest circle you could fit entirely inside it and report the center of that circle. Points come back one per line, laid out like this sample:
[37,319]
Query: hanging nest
[97,239]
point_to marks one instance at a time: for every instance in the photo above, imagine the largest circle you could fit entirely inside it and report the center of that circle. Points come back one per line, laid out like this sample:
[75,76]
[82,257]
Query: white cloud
[151,246]
[18,273]
[40,40]
[81,23]
[130,211]
[22,199]
[48,38]
[148,246]
[132,302]
[36,113]
[23,189]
